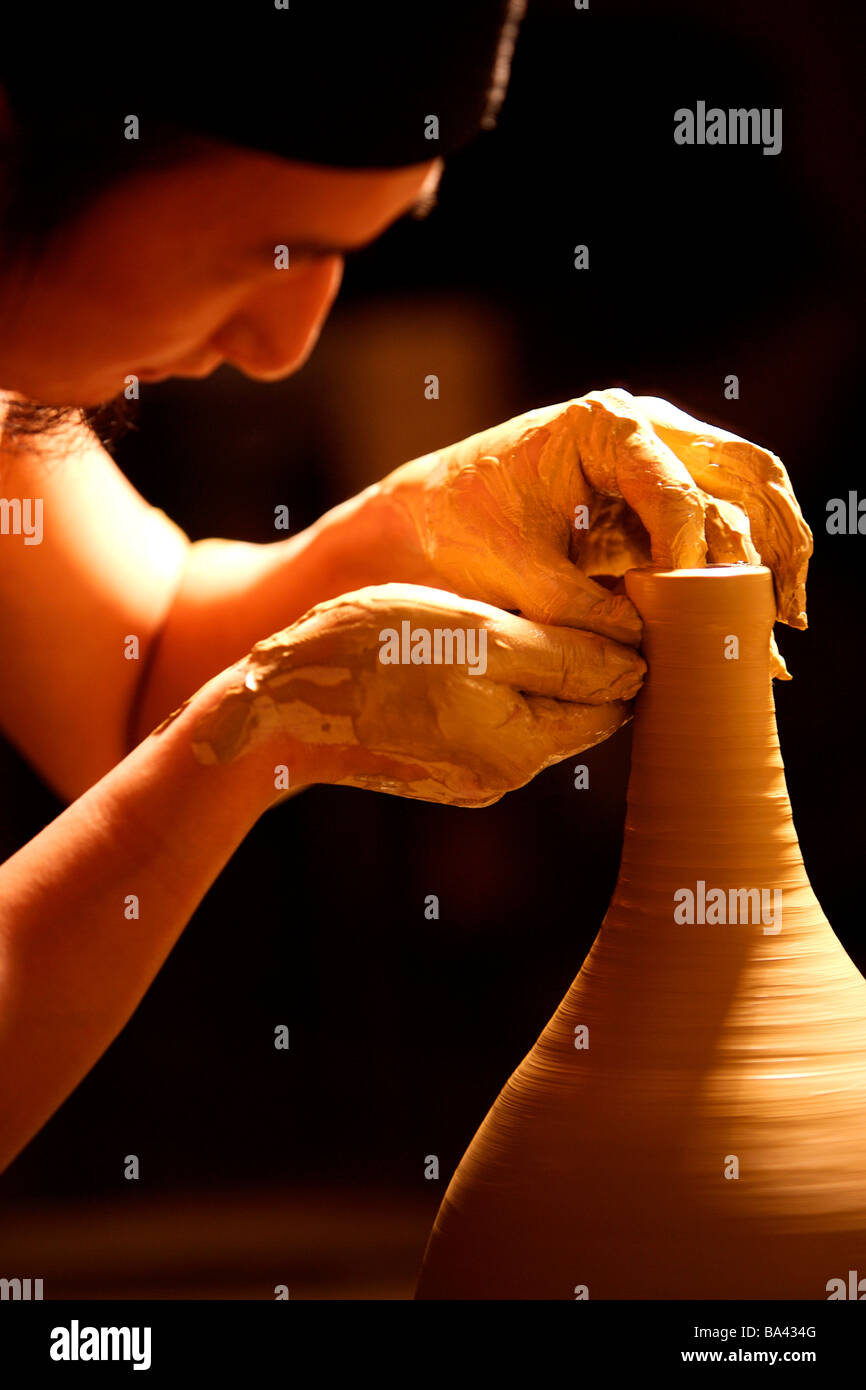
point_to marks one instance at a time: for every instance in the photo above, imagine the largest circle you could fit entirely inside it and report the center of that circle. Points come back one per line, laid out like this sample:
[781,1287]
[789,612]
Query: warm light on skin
[171,273]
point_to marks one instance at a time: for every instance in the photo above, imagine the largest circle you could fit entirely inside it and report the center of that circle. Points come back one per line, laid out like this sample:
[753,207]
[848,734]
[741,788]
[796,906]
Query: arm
[110,566]
[522,516]
[231,593]
[316,697]
[73,967]
[493,518]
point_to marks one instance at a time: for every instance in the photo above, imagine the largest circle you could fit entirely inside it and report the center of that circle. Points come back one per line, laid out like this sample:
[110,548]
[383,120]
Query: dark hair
[49,172]
[108,422]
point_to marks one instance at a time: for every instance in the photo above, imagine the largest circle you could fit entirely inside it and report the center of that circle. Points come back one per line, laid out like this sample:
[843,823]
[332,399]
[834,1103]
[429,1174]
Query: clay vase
[691,1124]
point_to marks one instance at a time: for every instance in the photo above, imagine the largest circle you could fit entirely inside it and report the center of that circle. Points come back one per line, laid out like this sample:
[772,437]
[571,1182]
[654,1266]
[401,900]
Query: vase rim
[705,572]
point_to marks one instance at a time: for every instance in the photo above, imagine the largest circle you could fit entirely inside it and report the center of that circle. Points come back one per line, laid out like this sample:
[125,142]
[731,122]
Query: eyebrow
[312,250]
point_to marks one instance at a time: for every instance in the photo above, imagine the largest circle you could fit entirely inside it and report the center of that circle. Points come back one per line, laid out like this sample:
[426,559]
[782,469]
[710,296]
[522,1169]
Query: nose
[276,328]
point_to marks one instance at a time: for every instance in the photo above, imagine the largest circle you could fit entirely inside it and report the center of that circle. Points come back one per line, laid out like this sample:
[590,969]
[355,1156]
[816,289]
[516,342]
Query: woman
[172,692]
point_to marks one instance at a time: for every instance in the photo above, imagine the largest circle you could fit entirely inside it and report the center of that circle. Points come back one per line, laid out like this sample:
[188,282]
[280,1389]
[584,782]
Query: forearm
[234,594]
[75,960]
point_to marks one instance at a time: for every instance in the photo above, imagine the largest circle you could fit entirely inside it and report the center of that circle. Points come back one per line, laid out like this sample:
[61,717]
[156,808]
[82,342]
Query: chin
[264,372]
[68,395]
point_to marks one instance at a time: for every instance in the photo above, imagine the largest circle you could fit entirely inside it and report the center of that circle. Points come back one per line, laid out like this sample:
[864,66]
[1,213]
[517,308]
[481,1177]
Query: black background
[703,262]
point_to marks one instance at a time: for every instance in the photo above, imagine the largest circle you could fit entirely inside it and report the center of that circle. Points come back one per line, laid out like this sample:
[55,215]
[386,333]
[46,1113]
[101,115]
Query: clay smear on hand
[457,732]
[529,514]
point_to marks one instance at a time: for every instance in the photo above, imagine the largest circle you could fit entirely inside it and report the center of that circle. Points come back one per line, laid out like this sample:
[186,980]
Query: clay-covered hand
[526,514]
[413,691]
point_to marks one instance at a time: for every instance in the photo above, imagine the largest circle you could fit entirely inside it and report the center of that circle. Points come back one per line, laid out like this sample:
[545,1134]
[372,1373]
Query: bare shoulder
[71,520]
[86,564]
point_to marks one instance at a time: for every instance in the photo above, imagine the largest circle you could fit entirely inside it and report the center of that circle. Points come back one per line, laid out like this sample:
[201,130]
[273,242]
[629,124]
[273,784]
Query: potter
[256,666]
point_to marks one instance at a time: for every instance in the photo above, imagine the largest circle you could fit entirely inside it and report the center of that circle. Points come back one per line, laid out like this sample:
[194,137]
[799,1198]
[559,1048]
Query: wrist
[376,537]
[239,722]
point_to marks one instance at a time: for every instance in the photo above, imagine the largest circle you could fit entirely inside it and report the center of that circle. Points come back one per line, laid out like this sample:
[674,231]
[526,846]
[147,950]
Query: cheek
[68,344]
[122,298]
[145,315]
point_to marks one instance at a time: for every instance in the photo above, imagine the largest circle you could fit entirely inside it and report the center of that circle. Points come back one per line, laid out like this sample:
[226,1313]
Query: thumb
[551,590]
[563,729]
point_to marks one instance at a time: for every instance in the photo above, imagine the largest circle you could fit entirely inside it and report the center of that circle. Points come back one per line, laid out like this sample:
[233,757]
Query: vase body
[691,1124]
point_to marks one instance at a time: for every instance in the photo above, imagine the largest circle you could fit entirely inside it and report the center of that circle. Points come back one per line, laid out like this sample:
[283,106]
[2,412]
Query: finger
[562,662]
[615,541]
[737,471]
[727,533]
[560,730]
[729,543]
[550,589]
[621,456]
[778,669]
[545,592]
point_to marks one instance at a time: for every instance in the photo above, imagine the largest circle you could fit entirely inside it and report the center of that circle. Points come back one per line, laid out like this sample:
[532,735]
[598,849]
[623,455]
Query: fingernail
[628,662]
[623,613]
[690,549]
[627,685]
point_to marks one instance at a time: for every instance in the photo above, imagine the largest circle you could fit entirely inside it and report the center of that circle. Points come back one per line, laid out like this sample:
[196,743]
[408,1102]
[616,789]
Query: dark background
[703,262]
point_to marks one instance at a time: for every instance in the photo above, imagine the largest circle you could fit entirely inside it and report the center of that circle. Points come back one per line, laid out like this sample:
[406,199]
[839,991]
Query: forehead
[311,201]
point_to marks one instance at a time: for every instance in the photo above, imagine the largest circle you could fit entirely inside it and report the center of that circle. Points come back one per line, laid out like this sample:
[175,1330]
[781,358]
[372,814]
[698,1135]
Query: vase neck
[707,792]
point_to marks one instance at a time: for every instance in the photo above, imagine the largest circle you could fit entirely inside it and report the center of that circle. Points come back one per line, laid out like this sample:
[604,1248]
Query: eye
[285,255]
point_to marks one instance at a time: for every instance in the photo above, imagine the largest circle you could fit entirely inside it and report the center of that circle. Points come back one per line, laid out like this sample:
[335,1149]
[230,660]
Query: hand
[500,517]
[342,700]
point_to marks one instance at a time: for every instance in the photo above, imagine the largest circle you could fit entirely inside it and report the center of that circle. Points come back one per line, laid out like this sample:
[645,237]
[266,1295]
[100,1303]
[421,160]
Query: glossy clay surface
[605,1167]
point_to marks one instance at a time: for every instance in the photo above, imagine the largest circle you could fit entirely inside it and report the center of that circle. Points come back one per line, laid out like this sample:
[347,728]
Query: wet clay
[462,733]
[691,1123]
[495,513]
